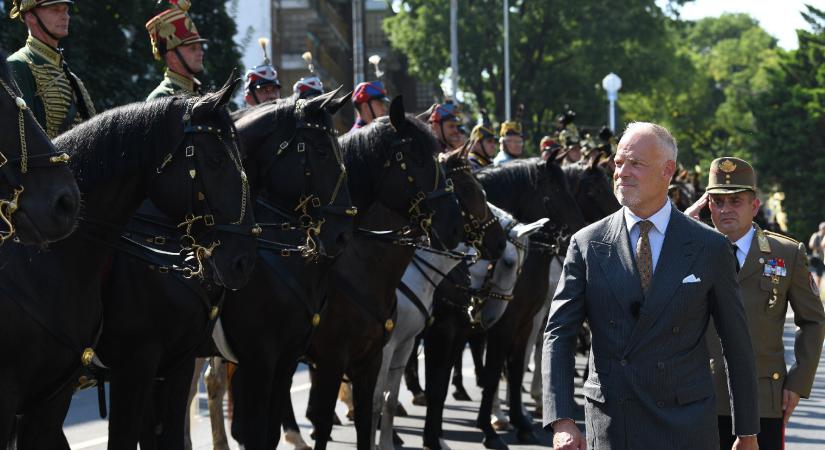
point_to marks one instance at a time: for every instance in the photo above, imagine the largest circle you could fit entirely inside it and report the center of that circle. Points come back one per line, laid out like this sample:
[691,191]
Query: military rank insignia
[775,268]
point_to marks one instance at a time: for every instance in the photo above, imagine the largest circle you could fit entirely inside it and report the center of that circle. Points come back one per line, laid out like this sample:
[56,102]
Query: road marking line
[90,443]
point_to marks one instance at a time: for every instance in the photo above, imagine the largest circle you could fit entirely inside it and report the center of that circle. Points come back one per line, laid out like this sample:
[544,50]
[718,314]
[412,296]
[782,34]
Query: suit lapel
[617,262]
[675,259]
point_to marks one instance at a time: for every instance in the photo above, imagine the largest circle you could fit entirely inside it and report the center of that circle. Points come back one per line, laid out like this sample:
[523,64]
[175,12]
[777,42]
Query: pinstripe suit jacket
[649,385]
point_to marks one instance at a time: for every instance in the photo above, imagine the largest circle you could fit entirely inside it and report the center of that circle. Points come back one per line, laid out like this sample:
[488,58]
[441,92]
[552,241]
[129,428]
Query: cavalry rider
[549,148]
[176,41]
[261,82]
[370,102]
[444,121]
[482,146]
[511,142]
[56,96]
[309,86]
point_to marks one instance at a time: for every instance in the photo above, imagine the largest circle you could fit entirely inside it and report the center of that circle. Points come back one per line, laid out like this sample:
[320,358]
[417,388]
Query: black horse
[398,185]
[156,324]
[592,190]
[179,152]
[39,198]
[507,339]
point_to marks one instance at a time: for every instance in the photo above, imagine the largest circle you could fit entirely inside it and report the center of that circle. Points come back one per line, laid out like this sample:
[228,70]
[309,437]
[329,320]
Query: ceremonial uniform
[476,157]
[364,94]
[56,96]
[773,275]
[508,128]
[169,30]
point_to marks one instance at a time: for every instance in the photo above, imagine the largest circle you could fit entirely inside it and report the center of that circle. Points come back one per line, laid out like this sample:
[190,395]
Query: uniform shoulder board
[781,237]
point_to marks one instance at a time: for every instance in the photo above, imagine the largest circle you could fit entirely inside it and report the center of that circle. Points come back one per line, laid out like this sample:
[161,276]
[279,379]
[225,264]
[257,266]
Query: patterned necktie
[735,248]
[644,256]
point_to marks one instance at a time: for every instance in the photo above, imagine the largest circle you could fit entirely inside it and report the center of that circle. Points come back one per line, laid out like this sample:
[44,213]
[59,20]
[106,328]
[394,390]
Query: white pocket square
[691,279]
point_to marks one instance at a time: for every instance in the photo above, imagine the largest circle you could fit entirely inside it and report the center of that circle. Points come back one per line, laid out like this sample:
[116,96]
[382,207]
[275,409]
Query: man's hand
[694,209]
[567,436]
[789,401]
[746,443]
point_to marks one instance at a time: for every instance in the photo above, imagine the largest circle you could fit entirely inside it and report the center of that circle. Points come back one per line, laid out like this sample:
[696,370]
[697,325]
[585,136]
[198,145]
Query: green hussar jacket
[39,73]
[173,84]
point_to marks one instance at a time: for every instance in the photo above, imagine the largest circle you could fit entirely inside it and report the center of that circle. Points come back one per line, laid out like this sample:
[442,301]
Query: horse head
[39,198]
[592,190]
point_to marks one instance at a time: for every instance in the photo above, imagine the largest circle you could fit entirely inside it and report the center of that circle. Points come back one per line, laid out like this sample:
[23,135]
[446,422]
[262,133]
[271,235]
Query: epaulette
[781,236]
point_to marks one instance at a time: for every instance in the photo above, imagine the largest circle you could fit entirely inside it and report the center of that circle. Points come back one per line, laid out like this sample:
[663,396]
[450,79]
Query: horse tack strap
[408,292]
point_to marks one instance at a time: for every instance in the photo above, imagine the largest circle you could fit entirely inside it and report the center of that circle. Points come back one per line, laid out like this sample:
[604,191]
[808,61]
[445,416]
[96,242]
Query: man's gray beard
[626,200]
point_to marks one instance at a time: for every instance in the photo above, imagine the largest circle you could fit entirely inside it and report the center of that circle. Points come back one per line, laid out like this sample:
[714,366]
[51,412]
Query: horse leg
[345,395]
[515,377]
[392,384]
[477,342]
[175,395]
[236,388]
[192,408]
[325,383]
[411,376]
[8,418]
[363,388]
[256,377]
[490,378]
[439,350]
[130,396]
[215,379]
[292,433]
[378,399]
[42,427]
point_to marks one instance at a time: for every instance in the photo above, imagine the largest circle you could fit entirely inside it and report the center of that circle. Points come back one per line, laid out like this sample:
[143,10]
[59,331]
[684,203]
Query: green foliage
[108,47]
[789,144]
[560,51]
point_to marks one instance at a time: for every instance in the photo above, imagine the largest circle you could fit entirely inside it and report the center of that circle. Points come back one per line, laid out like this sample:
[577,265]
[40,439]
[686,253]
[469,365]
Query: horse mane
[117,140]
[512,176]
[368,148]
[256,122]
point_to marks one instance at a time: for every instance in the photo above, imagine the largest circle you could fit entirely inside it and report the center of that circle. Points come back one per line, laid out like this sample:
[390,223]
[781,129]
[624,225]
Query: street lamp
[612,83]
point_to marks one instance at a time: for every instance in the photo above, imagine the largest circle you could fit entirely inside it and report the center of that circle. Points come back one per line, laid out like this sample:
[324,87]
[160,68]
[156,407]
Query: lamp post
[506,60]
[454,46]
[612,83]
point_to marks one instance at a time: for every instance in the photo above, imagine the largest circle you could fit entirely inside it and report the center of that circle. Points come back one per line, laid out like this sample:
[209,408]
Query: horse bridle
[307,215]
[9,206]
[188,242]
[475,228]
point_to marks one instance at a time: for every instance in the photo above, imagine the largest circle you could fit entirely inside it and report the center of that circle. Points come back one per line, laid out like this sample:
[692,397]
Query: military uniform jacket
[174,84]
[775,275]
[39,73]
[477,161]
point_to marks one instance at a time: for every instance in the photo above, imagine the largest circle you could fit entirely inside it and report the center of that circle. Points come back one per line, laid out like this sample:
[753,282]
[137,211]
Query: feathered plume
[263,42]
[307,57]
[375,60]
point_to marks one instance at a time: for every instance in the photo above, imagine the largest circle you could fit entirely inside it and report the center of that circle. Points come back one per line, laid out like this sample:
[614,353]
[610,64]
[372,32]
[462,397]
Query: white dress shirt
[656,235]
[743,246]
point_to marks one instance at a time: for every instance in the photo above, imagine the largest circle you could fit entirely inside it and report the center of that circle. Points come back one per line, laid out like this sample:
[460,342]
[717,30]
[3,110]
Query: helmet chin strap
[183,61]
[43,27]
[255,96]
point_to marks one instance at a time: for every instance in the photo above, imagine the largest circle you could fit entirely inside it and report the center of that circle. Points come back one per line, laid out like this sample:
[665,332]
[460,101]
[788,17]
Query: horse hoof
[336,420]
[294,438]
[527,437]
[400,411]
[501,425]
[396,439]
[461,394]
[495,443]
[420,399]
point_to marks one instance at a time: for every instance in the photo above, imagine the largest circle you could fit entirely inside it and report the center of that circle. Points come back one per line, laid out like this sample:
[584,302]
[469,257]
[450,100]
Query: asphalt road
[86,431]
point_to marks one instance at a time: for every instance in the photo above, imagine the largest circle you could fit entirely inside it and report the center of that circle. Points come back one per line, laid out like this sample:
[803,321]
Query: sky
[780,18]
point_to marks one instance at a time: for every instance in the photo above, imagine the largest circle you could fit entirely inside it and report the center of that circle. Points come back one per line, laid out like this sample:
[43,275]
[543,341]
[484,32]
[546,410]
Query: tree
[560,51]
[108,46]
[789,143]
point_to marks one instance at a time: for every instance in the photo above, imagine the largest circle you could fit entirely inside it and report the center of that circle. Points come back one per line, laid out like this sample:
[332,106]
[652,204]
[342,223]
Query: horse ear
[316,103]
[397,114]
[331,97]
[336,104]
[593,160]
[214,101]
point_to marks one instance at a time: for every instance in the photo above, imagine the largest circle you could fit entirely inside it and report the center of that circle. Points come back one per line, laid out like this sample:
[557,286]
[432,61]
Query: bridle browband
[8,207]
[307,215]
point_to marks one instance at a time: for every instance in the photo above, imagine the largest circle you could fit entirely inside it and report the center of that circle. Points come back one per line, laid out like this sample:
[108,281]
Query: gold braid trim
[54,89]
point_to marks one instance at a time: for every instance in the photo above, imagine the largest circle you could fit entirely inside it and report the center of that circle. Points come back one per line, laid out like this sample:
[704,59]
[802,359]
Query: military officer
[445,120]
[176,41]
[261,82]
[571,144]
[482,146]
[511,142]
[773,274]
[370,102]
[56,96]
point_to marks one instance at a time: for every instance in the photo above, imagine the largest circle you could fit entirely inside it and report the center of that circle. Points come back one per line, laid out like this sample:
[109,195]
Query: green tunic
[174,84]
[38,71]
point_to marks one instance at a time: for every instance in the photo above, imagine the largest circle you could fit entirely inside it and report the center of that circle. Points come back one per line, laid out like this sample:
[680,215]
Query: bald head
[664,140]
